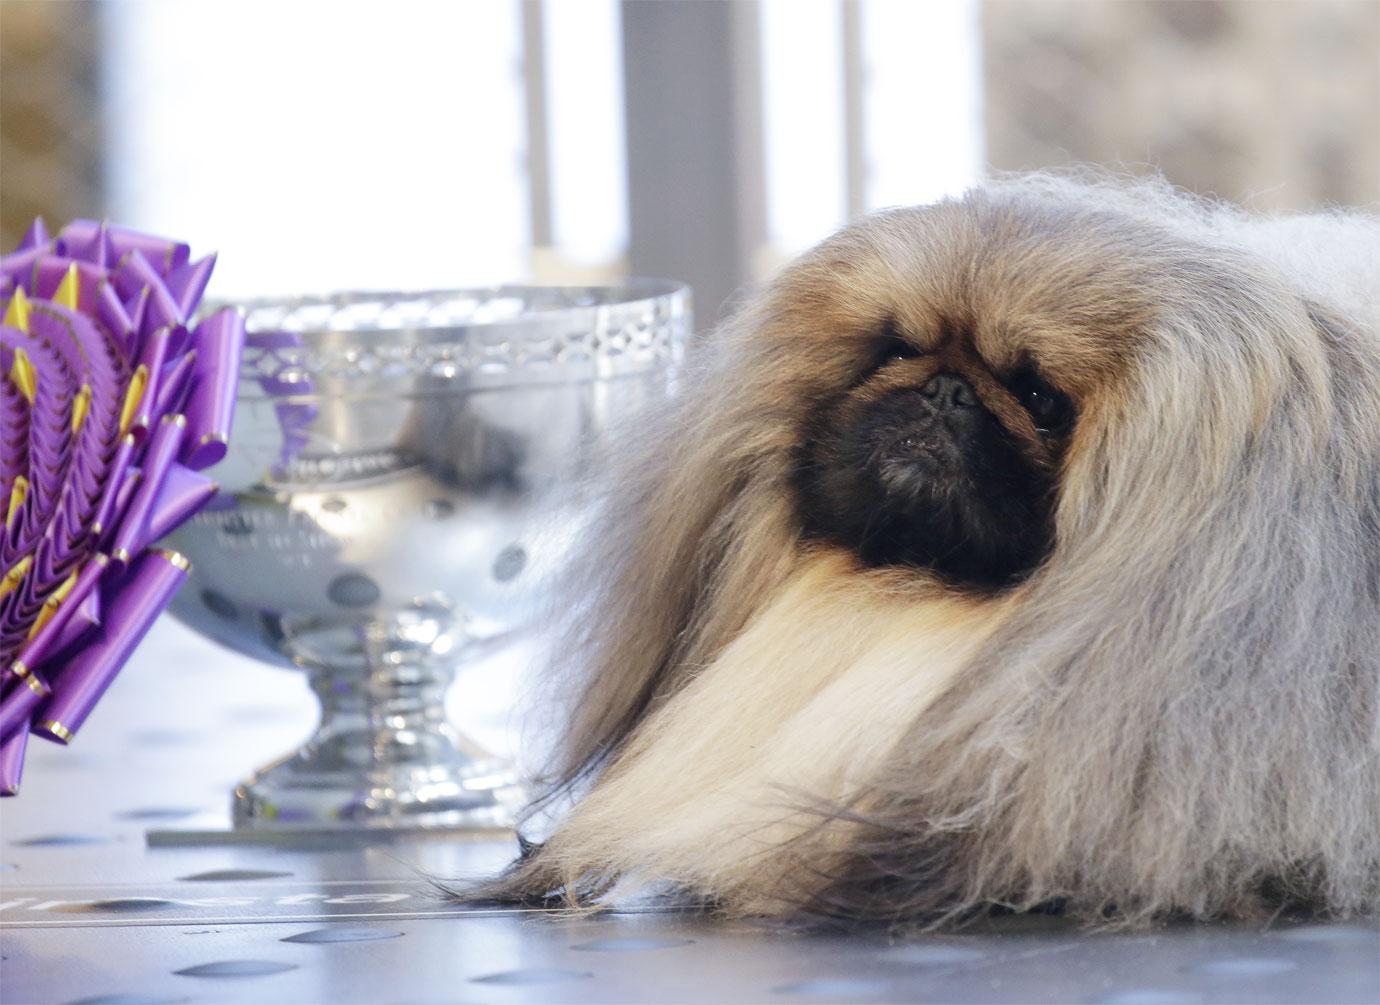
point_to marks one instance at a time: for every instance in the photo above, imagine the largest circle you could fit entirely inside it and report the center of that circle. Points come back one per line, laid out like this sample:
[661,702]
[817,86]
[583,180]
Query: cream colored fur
[803,706]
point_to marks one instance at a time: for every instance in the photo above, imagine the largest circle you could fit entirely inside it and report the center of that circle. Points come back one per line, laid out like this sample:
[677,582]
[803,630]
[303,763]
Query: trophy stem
[384,755]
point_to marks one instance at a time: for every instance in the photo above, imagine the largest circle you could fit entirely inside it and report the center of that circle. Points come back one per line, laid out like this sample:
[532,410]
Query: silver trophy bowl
[397,488]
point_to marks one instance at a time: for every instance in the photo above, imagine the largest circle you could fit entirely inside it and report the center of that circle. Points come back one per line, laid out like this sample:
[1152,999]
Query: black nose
[949,390]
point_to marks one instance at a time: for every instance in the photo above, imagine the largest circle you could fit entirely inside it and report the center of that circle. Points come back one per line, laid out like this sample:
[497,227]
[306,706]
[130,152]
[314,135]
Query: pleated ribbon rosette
[111,403]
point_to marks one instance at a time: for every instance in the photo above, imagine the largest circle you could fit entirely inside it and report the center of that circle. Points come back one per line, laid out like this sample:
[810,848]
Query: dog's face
[942,448]
[934,460]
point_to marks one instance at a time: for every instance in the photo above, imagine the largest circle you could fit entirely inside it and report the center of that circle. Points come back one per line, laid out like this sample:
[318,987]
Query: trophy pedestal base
[287,804]
[384,759]
[298,793]
[367,779]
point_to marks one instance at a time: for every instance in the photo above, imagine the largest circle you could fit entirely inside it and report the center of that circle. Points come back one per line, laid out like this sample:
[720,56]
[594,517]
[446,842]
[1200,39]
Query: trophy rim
[630,292]
[350,342]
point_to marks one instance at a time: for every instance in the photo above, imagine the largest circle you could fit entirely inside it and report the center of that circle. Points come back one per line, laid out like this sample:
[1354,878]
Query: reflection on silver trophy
[391,504]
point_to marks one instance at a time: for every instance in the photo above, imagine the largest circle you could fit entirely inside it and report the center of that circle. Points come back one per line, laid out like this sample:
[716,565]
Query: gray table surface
[90,912]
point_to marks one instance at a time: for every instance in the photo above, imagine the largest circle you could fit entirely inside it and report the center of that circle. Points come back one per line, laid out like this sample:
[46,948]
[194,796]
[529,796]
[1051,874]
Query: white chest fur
[799,710]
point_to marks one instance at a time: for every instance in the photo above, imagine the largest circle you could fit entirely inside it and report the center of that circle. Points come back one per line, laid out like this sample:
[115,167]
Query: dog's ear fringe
[689,529]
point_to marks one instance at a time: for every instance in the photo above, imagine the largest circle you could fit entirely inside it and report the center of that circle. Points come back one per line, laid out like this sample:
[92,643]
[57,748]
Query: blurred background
[321,146]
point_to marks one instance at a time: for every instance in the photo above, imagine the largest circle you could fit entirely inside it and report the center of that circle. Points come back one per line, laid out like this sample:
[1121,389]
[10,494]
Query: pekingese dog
[1017,550]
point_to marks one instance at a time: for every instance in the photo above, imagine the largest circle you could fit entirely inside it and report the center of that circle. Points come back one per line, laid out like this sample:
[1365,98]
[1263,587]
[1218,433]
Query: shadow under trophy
[397,488]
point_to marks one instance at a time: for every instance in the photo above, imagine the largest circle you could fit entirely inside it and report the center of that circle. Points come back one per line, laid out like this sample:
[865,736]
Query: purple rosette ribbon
[112,400]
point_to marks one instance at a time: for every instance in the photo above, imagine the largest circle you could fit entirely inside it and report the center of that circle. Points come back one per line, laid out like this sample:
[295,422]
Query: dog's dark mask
[927,476]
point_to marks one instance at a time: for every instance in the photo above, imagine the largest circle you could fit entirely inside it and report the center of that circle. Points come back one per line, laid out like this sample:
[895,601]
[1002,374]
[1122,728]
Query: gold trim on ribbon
[50,606]
[23,375]
[68,290]
[133,395]
[17,313]
[19,491]
[15,577]
[81,405]
[174,558]
[55,728]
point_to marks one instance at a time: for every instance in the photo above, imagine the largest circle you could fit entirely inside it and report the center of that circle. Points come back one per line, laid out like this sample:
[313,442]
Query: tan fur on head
[1176,712]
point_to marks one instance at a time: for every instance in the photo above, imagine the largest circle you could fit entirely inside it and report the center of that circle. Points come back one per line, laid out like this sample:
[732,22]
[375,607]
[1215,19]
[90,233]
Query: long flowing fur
[1176,713]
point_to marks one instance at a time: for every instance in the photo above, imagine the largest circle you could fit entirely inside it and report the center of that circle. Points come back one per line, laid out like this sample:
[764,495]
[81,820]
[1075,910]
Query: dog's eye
[891,347]
[1050,409]
[886,346]
[900,349]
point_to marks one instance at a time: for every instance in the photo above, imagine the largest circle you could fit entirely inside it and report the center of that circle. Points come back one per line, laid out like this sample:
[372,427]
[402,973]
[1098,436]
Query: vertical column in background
[692,92]
[866,104]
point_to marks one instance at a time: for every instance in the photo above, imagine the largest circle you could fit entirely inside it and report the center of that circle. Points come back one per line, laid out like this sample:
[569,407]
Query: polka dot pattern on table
[532,975]
[236,968]
[117,905]
[159,813]
[232,875]
[62,840]
[325,935]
